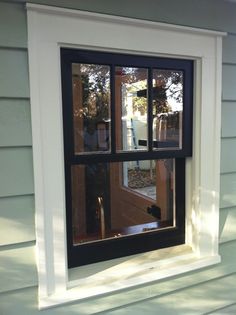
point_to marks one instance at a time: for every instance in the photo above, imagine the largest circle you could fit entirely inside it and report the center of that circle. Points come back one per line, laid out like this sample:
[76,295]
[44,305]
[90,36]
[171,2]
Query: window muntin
[131,108]
[92,237]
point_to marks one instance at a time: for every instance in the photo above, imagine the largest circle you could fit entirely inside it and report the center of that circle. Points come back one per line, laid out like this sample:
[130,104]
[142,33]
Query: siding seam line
[229,64]
[228,137]
[228,173]
[17,196]
[20,195]
[27,146]
[164,294]
[227,242]
[19,289]
[228,208]
[26,98]
[219,309]
[231,33]
[17,245]
[20,2]
[14,48]
[228,100]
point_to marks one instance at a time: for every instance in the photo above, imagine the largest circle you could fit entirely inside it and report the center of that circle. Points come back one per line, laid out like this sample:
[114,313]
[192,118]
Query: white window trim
[50,28]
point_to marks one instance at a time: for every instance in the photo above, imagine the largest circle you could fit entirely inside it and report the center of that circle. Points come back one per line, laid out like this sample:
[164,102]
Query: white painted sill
[126,273]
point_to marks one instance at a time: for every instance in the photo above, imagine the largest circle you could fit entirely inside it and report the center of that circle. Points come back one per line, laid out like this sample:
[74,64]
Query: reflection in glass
[119,199]
[91,107]
[131,108]
[167,109]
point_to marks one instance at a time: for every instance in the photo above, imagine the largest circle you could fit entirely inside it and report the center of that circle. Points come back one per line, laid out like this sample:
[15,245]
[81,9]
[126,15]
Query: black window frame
[132,244]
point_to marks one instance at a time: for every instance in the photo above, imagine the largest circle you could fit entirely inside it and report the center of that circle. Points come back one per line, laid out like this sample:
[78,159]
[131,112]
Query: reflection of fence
[167,133]
[168,127]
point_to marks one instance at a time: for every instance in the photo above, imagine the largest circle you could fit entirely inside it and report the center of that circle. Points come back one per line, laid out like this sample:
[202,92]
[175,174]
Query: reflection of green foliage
[96,93]
[96,90]
[168,84]
[140,104]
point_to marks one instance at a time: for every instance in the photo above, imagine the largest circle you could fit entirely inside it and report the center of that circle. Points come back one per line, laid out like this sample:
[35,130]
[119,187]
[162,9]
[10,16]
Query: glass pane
[119,199]
[131,108]
[140,177]
[167,109]
[91,108]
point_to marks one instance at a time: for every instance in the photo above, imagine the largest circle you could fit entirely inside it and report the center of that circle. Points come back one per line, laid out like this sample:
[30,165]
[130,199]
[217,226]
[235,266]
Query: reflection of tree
[96,93]
[167,93]
[167,85]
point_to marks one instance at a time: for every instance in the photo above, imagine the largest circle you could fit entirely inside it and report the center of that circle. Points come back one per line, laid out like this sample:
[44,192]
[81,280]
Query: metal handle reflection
[101,217]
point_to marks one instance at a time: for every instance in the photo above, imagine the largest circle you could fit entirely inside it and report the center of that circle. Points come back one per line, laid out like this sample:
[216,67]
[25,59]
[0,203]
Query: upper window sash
[154,66]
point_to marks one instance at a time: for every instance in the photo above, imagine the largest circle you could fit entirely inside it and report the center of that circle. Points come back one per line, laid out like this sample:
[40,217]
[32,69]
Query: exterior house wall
[207,291]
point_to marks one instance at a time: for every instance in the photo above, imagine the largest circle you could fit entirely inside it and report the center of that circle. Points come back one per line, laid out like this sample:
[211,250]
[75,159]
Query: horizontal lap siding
[227,224]
[229,44]
[229,82]
[16,169]
[197,13]
[15,125]
[14,73]
[228,190]
[228,150]
[228,155]
[228,142]
[228,119]
[13,25]
[16,220]
[192,290]
[17,230]
[17,268]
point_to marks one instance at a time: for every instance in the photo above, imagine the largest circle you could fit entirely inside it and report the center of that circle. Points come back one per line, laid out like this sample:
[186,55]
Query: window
[127,131]
[49,30]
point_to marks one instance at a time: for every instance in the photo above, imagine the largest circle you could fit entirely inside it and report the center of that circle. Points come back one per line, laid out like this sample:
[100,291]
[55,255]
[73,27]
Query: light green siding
[229,81]
[13,26]
[228,190]
[228,310]
[17,269]
[228,119]
[207,282]
[207,291]
[15,126]
[16,220]
[228,155]
[213,14]
[229,45]
[14,73]
[227,224]
[16,171]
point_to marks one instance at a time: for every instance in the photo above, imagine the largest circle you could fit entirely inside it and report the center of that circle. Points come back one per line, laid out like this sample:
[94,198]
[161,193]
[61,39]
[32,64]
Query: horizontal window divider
[126,156]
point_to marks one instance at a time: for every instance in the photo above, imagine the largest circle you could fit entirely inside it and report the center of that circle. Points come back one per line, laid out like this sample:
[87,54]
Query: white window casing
[50,28]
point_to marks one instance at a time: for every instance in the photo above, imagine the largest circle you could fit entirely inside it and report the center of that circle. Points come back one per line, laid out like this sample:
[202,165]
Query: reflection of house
[209,290]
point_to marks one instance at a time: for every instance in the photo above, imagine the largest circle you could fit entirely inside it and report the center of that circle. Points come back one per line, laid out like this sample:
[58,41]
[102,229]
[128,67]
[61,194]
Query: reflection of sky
[175,106]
